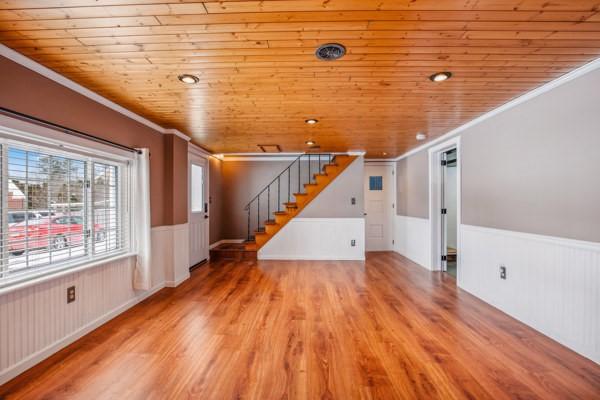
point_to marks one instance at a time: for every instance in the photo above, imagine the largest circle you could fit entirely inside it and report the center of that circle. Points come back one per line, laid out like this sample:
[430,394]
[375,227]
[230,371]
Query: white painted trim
[56,77]
[224,241]
[177,282]
[435,232]
[63,270]
[568,77]
[412,239]
[177,133]
[257,158]
[325,258]
[21,131]
[358,153]
[554,240]
[41,355]
[199,151]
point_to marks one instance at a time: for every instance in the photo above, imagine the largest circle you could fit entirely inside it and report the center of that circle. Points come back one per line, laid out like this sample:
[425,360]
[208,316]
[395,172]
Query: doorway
[198,208]
[380,189]
[449,229]
[445,207]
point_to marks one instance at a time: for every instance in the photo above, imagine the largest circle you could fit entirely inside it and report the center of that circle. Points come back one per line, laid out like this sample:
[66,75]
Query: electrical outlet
[353,201]
[353,243]
[70,294]
[502,272]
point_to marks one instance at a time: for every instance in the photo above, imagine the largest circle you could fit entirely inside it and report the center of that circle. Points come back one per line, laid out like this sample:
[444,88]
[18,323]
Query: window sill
[58,272]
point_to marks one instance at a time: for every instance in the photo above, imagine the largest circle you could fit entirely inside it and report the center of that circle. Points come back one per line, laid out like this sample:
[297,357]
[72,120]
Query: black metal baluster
[319,163]
[269,201]
[248,223]
[258,214]
[299,161]
[278,194]
[289,182]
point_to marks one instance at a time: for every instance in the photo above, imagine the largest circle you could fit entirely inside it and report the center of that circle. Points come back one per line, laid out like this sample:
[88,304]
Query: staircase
[276,204]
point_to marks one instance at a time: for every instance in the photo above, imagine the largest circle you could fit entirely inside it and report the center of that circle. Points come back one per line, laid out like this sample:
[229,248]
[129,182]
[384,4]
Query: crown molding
[568,77]
[66,82]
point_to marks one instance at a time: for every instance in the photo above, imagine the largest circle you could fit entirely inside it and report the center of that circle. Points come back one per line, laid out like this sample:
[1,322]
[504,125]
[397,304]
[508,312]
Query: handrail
[283,172]
[257,199]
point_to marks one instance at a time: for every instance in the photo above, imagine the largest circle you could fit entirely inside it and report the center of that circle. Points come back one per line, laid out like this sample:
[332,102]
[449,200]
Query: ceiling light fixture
[188,79]
[310,142]
[440,76]
[384,153]
[330,51]
[421,136]
[311,121]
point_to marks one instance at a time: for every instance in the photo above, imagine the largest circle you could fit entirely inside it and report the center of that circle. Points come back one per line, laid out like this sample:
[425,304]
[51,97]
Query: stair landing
[233,252]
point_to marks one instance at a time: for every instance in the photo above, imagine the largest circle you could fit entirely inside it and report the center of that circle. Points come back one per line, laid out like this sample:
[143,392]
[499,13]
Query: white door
[198,208]
[379,203]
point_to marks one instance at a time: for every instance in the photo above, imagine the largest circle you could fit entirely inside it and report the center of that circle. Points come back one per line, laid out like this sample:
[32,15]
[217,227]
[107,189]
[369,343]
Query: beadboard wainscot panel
[552,285]
[36,321]
[412,239]
[317,239]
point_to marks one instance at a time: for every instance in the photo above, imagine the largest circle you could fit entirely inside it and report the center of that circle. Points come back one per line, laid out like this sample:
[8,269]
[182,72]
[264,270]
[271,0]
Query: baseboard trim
[178,281]
[312,258]
[48,351]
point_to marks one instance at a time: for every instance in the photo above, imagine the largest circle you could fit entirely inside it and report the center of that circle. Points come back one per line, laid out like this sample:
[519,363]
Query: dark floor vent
[330,51]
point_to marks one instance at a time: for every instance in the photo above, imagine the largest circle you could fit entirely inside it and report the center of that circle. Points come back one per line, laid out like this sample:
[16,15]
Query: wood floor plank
[382,329]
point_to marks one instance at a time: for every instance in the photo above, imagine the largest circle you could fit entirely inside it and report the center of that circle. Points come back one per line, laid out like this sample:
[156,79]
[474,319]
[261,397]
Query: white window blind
[59,210]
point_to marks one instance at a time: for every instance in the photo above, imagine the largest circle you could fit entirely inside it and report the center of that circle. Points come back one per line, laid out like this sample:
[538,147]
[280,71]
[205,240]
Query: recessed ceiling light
[384,153]
[311,121]
[421,136]
[440,76]
[310,142]
[330,51]
[188,79]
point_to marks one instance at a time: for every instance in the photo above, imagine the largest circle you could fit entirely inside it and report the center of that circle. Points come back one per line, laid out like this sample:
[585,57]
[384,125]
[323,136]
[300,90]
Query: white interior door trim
[435,201]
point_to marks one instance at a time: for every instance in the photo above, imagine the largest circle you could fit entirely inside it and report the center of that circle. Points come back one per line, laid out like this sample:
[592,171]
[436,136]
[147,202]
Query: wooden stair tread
[302,200]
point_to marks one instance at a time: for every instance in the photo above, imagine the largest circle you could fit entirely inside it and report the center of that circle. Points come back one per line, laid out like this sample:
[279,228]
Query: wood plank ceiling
[259,78]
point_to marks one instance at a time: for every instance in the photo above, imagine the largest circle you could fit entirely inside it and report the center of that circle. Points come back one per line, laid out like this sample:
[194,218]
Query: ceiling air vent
[330,51]
[270,148]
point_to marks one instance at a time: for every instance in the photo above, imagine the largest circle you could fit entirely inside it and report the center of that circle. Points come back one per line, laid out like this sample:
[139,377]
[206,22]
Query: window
[197,190]
[58,210]
[375,183]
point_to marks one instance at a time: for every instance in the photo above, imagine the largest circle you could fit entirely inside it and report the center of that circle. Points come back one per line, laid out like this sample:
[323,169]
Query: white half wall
[102,292]
[552,285]
[317,239]
[412,239]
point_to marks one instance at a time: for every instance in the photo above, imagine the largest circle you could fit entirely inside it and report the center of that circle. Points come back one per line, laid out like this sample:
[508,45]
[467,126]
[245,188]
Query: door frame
[435,203]
[394,196]
[196,151]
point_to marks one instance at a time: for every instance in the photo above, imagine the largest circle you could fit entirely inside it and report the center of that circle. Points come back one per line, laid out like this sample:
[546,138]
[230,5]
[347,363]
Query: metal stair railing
[295,168]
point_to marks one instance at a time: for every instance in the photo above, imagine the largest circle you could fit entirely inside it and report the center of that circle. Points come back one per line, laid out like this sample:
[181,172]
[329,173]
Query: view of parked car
[15,217]
[52,233]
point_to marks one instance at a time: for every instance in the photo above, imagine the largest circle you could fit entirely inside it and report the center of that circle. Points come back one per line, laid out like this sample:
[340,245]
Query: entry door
[379,202]
[198,208]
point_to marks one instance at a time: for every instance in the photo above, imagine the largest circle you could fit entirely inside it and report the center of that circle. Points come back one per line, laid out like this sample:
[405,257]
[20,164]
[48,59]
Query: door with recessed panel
[379,203]
[198,208]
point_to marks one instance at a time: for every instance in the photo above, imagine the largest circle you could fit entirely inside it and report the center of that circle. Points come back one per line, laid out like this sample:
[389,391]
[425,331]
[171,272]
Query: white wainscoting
[317,239]
[552,285]
[170,251]
[412,239]
[36,321]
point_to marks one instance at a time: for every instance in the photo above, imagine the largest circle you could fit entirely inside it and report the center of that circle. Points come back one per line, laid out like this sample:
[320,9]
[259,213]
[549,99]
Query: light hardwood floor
[383,329]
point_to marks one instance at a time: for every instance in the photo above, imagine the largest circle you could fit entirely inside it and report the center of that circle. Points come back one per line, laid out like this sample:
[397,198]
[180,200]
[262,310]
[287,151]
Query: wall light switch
[353,201]
[353,243]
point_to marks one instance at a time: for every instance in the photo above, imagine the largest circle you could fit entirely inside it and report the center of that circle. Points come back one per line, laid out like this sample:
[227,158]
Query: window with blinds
[58,210]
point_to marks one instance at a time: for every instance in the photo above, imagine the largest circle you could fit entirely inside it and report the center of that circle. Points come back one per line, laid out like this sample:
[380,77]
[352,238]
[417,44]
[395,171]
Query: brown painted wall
[28,92]
[176,180]
[215,200]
